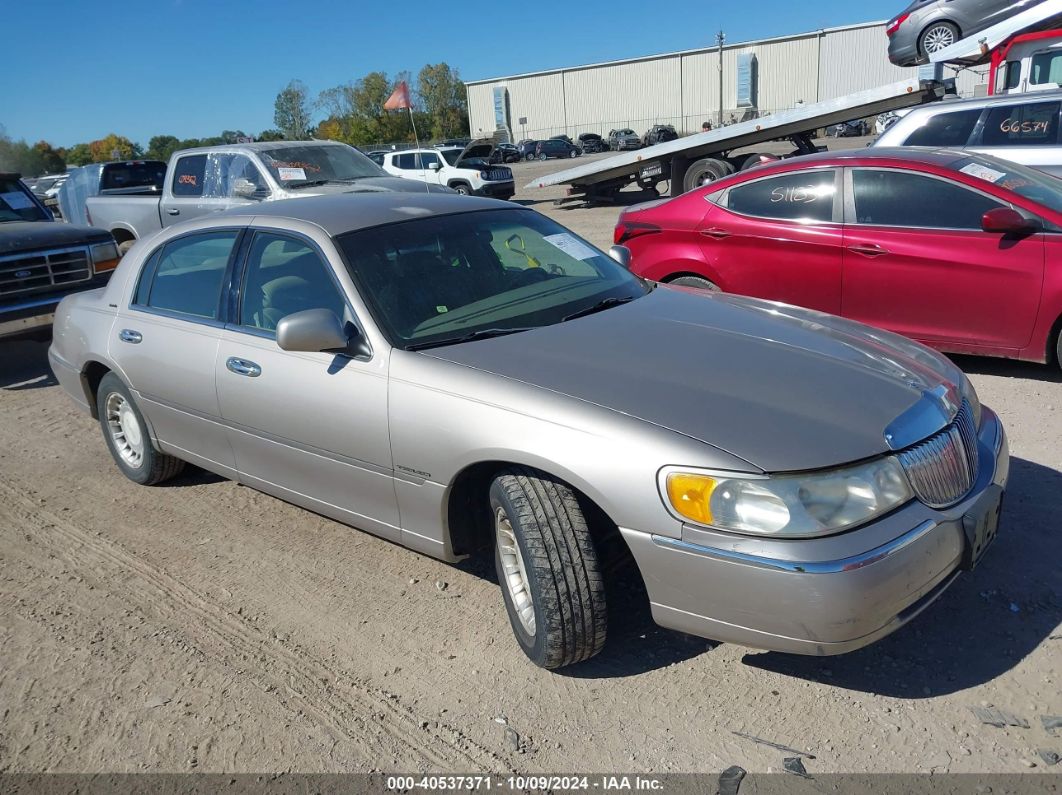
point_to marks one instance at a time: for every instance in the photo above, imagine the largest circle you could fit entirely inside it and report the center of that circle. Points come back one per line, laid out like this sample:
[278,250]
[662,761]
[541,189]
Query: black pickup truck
[41,260]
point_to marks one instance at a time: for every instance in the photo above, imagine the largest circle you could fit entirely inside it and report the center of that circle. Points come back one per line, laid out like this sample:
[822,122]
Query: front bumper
[497,190]
[816,596]
[622,146]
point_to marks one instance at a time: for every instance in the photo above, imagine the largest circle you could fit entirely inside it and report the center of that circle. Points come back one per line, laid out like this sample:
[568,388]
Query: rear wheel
[695,281]
[542,156]
[1058,349]
[126,435]
[703,171]
[937,36]
[548,568]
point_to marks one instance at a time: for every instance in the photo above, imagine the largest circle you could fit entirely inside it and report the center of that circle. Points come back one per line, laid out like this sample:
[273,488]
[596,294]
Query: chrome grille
[26,273]
[943,468]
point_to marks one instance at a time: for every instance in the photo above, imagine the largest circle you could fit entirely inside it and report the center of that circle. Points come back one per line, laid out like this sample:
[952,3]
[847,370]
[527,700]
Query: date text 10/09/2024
[516,783]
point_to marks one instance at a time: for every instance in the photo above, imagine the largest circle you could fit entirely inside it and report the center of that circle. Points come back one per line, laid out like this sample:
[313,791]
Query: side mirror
[245,189]
[622,255]
[434,166]
[312,330]
[1007,221]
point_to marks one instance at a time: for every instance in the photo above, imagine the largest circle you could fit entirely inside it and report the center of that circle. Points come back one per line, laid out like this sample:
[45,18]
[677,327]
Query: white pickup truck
[215,178]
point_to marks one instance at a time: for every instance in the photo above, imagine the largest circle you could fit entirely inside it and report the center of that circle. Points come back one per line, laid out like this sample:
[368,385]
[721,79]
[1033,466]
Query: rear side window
[132,175]
[945,129]
[188,175]
[805,196]
[186,276]
[898,198]
[1032,124]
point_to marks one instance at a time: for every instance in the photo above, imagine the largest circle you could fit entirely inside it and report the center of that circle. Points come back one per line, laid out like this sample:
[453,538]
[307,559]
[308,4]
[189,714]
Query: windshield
[433,281]
[295,166]
[16,204]
[451,155]
[1026,182]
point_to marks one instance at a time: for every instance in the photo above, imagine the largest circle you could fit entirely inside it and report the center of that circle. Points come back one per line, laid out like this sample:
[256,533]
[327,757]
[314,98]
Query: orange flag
[399,98]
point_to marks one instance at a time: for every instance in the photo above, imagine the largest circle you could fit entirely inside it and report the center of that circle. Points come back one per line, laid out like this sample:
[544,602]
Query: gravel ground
[204,626]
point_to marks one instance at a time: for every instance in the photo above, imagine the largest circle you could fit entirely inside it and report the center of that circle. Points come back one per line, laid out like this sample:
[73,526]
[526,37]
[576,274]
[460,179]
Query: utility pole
[720,37]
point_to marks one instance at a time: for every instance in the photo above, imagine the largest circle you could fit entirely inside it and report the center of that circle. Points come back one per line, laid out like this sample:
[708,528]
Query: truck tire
[755,159]
[124,247]
[703,171]
[548,568]
[696,282]
[127,437]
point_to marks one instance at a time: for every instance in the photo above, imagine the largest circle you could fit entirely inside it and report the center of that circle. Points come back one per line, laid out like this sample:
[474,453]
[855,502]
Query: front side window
[900,198]
[1047,68]
[230,175]
[188,176]
[428,158]
[1013,75]
[805,196]
[433,281]
[945,129]
[186,276]
[283,276]
[1031,124]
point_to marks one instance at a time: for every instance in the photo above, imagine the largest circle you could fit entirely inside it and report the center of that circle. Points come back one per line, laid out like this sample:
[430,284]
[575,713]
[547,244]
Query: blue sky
[76,70]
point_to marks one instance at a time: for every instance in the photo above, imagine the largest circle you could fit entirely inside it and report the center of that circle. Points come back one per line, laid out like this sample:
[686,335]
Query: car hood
[19,236]
[373,185]
[783,388]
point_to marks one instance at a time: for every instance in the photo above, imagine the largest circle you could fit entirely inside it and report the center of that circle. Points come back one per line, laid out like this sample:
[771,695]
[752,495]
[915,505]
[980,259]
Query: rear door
[779,238]
[917,262]
[1026,133]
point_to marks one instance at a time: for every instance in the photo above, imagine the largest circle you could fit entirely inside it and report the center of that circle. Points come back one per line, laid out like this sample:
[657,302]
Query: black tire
[124,246]
[462,188]
[562,571]
[696,282]
[751,161]
[703,171]
[573,153]
[153,467]
[529,157]
[542,156]
[1058,349]
[930,39]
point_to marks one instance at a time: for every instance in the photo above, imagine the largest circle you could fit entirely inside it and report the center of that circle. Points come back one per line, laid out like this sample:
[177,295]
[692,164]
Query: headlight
[966,389]
[104,257]
[790,506]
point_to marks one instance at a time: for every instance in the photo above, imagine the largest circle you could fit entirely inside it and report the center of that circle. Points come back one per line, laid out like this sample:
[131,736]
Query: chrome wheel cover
[125,430]
[514,575]
[938,38]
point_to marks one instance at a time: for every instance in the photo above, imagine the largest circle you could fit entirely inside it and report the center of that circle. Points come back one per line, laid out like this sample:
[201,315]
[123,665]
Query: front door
[166,343]
[308,427]
[779,238]
[917,262]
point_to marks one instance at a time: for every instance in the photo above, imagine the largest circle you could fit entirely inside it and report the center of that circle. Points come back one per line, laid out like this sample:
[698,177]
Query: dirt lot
[203,626]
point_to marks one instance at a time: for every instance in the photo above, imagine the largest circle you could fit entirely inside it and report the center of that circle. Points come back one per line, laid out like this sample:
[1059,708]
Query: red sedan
[960,251]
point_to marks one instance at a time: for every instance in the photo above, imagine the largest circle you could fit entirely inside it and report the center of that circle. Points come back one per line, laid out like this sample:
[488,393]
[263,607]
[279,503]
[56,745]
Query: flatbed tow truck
[695,160]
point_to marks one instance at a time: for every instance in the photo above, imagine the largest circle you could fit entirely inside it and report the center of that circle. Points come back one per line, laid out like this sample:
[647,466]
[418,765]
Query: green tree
[51,159]
[113,147]
[356,114]
[444,99]
[292,111]
[270,135]
[160,147]
[78,155]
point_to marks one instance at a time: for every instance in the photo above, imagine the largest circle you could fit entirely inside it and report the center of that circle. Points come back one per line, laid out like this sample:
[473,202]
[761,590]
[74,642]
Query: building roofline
[678,53]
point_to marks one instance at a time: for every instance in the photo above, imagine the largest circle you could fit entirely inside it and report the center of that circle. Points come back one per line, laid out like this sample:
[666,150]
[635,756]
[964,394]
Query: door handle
[868,249]
[715,232]
[243,367]
[128,335]
[172,211]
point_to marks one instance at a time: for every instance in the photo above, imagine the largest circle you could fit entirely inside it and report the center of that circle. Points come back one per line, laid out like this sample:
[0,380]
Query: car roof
[339,213]
[942,158]
[976,103]
[259,146]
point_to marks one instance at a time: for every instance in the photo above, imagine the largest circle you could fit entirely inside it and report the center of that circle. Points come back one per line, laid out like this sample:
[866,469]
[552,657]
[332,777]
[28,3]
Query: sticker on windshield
[983,172]
[16,200]
[287,174]
[574,248]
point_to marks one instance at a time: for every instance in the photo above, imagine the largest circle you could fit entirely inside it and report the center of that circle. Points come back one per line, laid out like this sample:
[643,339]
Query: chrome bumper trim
[801,567]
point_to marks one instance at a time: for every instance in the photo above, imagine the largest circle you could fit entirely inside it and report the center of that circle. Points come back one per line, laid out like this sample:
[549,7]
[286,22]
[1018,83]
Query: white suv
[465,170]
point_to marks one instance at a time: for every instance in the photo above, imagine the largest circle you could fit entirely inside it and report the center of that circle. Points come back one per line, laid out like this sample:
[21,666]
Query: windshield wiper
[310,182]
[604,303]
[481,334]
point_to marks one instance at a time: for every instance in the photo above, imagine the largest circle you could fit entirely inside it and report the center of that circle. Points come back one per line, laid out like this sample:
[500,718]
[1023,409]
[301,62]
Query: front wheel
[696,282]
[548,569]
[573,153]
[529,157]
[462,188]
[126,435]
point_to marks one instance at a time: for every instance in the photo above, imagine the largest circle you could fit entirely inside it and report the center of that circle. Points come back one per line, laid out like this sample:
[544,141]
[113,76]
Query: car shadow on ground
[24,365]
[1009,368]
[985,624]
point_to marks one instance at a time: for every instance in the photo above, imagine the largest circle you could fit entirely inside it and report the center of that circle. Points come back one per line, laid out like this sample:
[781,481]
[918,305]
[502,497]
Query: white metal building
[682,88]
